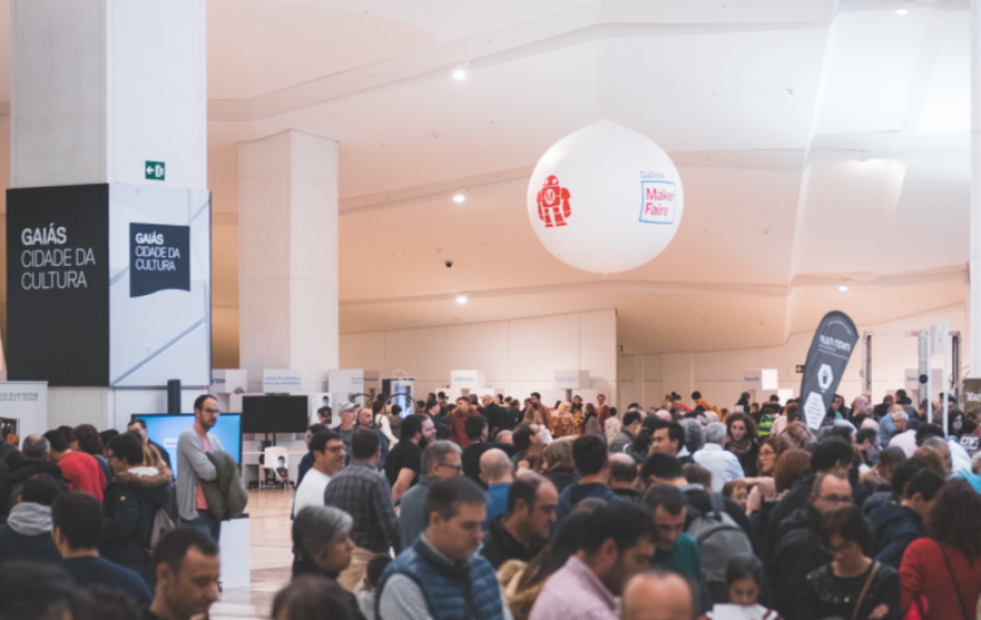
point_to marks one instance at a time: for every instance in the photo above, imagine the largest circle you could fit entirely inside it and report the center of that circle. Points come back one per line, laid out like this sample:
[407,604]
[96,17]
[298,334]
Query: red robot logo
[553,203]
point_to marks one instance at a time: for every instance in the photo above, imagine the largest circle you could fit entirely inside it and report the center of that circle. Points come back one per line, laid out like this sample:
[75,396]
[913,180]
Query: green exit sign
[155,170]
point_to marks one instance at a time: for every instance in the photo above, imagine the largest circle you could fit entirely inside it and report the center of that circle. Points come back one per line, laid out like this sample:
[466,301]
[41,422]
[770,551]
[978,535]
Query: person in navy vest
[441,577]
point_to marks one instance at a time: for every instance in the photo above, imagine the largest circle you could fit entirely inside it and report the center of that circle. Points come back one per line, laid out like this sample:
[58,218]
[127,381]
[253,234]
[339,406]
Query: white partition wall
[517,357]
[720,375]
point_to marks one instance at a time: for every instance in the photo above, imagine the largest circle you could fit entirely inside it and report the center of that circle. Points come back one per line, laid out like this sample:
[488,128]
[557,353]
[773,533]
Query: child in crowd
[737,491]
[366,597]
[744,578]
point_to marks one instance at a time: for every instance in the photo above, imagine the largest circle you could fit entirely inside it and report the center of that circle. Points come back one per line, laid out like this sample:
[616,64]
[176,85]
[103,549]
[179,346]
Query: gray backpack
[162,523]
[719,539]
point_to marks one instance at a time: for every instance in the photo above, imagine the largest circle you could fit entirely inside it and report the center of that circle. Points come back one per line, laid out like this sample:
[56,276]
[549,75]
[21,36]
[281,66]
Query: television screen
[164,429]
[275,414]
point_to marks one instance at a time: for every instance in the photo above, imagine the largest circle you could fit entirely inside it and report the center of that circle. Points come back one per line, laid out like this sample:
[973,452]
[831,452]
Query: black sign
[833,344]
[58,285]
[159,258]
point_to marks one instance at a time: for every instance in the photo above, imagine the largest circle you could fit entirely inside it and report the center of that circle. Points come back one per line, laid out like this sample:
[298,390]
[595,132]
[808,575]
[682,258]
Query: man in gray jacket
[193,466]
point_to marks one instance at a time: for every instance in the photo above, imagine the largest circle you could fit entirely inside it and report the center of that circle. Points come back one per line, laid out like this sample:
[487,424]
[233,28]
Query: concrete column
[288,256]
[98,88]
[975,259]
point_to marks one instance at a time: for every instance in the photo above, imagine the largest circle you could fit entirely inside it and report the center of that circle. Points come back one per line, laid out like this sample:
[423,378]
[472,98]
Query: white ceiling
[819,142]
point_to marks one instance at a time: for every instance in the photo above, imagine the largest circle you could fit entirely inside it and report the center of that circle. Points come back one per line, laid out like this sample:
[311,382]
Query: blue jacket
[574,494]
[895,528]
[497,501]
[463,591]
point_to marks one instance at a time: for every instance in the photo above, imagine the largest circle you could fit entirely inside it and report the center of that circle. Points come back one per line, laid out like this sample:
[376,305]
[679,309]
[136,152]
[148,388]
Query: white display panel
[160,320]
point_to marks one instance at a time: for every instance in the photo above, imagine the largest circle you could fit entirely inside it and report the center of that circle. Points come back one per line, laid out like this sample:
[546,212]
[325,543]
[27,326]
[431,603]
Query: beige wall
[517,356]
[645,379]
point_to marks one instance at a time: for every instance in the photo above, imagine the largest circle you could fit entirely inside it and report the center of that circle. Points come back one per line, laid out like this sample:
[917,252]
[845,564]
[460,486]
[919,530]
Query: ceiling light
[461,299]
[460,71]
[459,198]
[902,12]
[843,288]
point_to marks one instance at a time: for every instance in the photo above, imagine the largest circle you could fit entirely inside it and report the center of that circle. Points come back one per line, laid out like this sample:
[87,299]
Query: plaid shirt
[574,592]
[362,492]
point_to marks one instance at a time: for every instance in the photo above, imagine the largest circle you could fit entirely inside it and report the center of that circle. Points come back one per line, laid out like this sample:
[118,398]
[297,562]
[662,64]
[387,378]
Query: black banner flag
[834,341]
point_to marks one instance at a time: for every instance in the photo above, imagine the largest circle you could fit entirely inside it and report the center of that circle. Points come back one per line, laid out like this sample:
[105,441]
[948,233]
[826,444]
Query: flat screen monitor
[275,414]
[164,429]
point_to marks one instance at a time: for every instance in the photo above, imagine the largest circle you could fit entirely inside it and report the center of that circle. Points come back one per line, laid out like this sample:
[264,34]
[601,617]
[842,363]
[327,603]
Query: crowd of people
[501,509]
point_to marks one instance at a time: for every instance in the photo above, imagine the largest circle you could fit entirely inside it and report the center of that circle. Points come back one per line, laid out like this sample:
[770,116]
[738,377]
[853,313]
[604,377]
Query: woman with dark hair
[744,581]
[941,574]
[322,546]
[770,450]
[85,438]
[763,487]
[743,402]
[741,441]
[852,585]
[311,597]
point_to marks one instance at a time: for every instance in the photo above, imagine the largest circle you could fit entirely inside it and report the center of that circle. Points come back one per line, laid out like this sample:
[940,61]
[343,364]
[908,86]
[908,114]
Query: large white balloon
[605,199]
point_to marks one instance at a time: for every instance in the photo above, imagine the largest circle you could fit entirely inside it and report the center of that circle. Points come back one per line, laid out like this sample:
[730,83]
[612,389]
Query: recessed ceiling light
[461,299]
[843,288]
[902,12]
[459,198]
[459,73]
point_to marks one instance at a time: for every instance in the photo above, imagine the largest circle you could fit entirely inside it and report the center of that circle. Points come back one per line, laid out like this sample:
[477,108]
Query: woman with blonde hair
[563,421]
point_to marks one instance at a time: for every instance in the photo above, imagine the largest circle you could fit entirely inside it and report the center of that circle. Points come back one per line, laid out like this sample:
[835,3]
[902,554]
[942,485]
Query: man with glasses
[799,550]
[440,459]
[193,466]
[329,455]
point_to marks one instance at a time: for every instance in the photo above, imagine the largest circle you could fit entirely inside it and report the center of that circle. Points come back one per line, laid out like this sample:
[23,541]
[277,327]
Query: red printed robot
[553,203]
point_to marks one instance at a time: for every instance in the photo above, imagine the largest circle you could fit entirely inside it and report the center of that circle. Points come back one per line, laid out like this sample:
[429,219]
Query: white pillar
[98,88]
[975,264]
[288,255]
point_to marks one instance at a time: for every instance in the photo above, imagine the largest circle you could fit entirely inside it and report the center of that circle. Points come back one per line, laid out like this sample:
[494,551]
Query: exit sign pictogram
[155,170]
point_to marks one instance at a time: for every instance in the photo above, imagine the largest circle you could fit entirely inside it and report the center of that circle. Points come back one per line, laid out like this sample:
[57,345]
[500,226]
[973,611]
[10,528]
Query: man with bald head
[657,594]
[495,472]
[522,532]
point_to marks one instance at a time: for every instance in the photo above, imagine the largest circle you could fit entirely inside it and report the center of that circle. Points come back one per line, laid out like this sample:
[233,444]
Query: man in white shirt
[723,465]
[327,449]
[904,439]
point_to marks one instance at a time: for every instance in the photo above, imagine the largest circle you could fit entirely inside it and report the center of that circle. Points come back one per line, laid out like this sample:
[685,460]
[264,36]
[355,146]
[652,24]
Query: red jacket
[83,473]
[603,413]
[924,574]
[457,434]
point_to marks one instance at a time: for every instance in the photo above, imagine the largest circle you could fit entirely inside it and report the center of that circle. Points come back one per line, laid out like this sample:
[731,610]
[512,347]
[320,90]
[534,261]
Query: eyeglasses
[457,468]
[836,499]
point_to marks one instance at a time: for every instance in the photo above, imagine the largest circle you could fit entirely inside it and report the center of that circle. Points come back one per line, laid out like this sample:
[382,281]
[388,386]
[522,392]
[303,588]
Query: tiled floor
[271,558]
